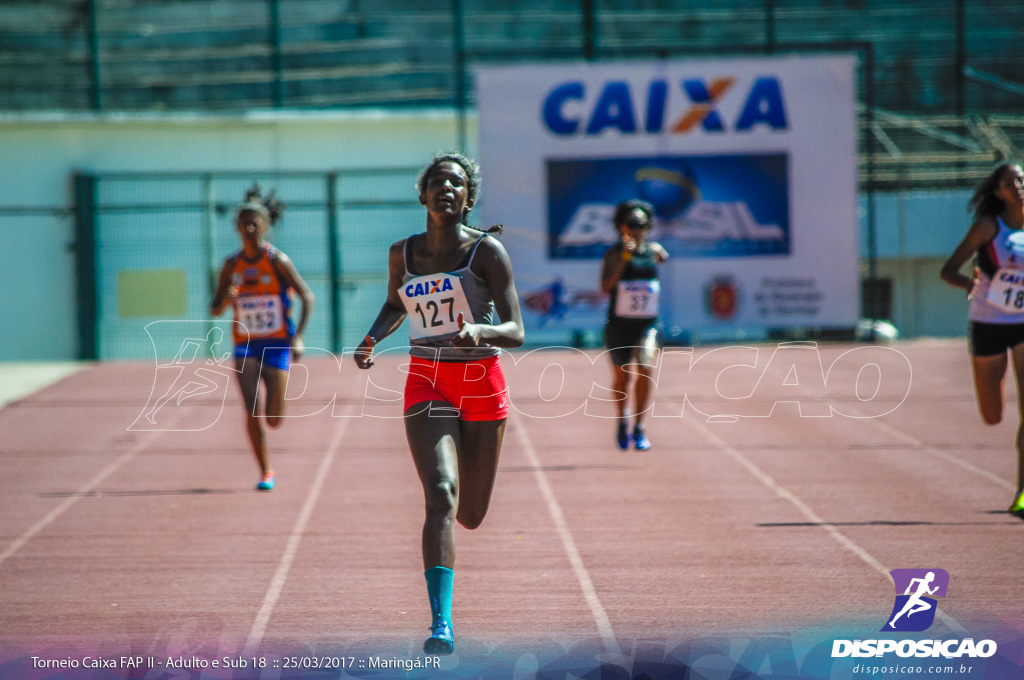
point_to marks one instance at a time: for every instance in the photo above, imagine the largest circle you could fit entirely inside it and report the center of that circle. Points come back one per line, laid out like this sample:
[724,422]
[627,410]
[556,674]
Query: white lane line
[145,440]
[939,453]
[604,626]
[259,626]
[812,516]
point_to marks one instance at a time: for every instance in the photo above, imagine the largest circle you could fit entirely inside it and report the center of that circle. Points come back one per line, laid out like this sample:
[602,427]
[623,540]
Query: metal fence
[941,81]
[935,57]
[150,246]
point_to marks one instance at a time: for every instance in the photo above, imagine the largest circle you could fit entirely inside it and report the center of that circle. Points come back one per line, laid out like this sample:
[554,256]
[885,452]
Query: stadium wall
[42,151]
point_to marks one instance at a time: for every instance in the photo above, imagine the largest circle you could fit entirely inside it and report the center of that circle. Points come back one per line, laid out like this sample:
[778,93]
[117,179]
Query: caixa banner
[750,166]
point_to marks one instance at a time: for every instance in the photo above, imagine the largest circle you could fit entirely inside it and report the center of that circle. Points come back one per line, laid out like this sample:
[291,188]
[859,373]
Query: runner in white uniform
[996,294]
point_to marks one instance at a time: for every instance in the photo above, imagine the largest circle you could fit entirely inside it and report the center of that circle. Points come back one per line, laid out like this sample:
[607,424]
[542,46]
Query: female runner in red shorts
[454,283]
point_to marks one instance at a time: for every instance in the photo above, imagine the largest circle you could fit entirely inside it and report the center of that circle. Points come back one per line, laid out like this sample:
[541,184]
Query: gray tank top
[433,302]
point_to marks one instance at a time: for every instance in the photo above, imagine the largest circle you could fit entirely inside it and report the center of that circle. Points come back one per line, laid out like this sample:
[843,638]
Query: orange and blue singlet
[262,308]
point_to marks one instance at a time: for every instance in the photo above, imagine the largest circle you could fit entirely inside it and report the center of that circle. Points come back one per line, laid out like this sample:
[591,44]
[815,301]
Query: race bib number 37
[637,299]
[433,303]
[1006,291]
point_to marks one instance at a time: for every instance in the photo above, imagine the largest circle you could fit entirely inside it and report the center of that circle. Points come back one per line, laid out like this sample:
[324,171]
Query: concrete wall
[916,232]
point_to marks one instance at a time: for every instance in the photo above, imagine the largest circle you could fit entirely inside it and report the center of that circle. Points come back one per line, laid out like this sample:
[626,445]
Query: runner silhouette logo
[915,606]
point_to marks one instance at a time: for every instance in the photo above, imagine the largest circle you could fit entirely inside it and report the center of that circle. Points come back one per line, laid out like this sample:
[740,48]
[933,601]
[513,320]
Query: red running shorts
[476,389]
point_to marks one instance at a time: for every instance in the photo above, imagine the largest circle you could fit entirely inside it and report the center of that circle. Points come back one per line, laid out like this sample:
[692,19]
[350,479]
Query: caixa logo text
[949,649]
[571,109]
[428,287]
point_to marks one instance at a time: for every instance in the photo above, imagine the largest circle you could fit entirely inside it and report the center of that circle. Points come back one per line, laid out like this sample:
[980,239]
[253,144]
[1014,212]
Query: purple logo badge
[916,590]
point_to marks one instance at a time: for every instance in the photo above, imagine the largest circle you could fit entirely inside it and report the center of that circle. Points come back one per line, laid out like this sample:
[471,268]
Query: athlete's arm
[612,266]
[392,314]
[295,281]
[660,254]
[981,233]
[493,265]
[225,292]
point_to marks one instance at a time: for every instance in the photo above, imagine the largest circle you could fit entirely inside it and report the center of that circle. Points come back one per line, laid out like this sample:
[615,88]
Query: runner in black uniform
[629,274]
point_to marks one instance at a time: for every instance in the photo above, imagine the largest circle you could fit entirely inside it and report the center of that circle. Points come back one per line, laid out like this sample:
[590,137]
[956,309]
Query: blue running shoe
[267,483]
[622,435]
[640,440]
[441,641]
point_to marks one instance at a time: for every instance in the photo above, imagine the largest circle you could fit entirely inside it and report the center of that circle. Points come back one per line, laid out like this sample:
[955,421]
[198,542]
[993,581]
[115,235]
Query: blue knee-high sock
[439,590]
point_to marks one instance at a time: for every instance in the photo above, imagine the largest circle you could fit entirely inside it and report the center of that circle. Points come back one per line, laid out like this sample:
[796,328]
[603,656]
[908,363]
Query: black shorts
[631,345]
[993,339]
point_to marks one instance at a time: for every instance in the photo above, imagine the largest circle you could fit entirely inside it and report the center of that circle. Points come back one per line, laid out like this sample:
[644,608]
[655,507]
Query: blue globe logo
[669,190]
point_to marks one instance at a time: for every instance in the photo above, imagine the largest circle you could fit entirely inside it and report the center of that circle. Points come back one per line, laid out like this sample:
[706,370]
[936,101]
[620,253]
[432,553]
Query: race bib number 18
[1006,291]
[433,303]
[637,299]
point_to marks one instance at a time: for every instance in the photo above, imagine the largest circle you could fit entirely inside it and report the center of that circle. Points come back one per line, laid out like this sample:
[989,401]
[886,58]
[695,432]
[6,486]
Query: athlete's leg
[646,360]
[433,441]
[989,372]
[478,466]
[620,383]
[641,391]
[1017,353]
[276,382]
[249,381]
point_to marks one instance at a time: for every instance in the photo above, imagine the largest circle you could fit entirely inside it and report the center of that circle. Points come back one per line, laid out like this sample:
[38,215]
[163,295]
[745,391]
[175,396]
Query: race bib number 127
[433,303]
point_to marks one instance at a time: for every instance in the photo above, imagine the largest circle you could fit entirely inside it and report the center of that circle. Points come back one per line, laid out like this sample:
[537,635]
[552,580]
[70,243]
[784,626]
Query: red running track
[155,542]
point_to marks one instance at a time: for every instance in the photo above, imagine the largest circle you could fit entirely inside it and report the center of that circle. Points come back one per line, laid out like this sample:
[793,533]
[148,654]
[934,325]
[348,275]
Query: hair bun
[270,203]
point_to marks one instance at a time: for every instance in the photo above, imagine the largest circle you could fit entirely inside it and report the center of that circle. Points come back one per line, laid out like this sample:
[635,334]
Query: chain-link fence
[158,240]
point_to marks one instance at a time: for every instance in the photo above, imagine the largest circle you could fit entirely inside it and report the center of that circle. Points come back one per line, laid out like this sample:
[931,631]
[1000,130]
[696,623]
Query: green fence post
[275,54]
[209,220]
[209,226]
[96,86]
[85,266]
[459,47]
[588,10]
[334,248]
[869,140]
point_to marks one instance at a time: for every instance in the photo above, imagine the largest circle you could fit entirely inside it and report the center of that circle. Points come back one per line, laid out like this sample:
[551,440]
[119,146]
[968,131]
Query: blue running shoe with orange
[267,483]
[441,641]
